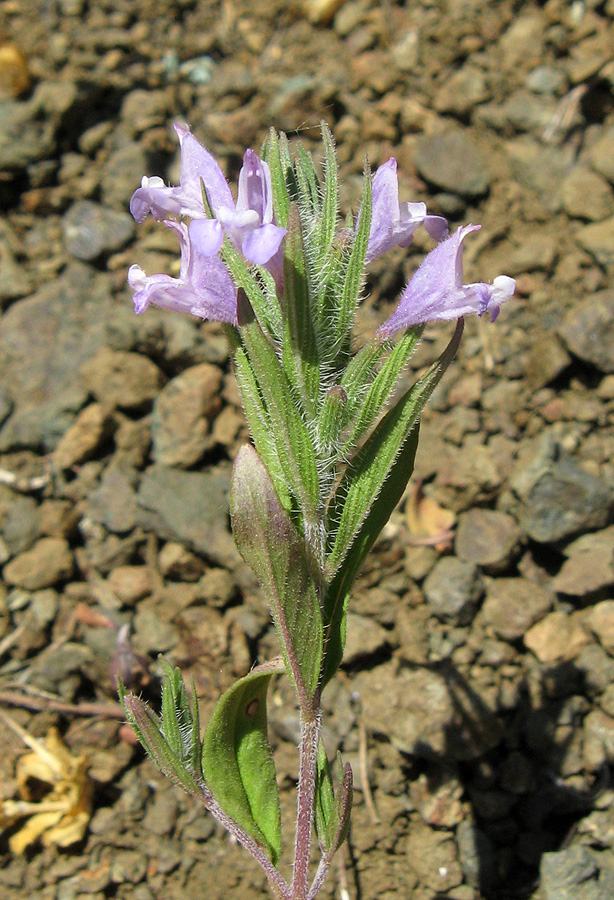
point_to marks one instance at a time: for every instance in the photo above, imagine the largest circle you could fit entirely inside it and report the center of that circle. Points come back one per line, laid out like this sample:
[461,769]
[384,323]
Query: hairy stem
[310,736]
[278,885]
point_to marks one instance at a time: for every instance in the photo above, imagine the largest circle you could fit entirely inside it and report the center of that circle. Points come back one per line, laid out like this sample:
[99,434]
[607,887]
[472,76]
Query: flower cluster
[205,288]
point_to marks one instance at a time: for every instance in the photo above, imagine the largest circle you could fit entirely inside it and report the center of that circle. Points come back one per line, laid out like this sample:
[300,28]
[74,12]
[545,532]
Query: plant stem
[310,736]
[278,885]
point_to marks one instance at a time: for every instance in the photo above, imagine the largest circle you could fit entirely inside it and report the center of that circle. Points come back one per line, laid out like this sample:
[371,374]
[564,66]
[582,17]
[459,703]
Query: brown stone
[92,427]
[124,380]
[50,560]
[558,636]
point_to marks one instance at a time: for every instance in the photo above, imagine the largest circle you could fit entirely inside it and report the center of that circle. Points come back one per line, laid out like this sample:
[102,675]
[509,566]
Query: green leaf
[176,760]
[330,205]
[324,806]
[276,154]
[300,350]
[270,544]
[309,199]
[294,444]
[237,761]
[336,600]
[356,264]
[332,809]
[264,303]
[260,425]
[374,401]
[368,471]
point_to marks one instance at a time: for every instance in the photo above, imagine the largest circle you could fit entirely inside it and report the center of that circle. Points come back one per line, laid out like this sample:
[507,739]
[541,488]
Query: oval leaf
[237,761]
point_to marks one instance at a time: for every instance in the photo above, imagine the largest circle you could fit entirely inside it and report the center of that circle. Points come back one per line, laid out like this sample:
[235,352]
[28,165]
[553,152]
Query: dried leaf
[62,816]
[428,522]
[14,71]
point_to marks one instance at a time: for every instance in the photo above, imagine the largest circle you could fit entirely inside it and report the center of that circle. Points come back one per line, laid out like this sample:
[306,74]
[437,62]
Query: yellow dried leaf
[14,71]
[62,816]
[427,521]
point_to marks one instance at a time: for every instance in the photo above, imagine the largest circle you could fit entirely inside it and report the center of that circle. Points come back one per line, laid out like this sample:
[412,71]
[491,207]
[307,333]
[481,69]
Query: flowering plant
[333,449]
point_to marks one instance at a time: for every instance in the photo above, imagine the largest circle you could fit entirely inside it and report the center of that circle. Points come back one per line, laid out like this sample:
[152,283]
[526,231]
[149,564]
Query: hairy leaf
[237,761]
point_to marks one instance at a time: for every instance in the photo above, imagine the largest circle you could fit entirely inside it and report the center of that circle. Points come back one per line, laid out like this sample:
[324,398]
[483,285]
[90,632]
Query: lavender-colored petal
[204,287]
[154,197]
[255,190]
[206,236]
[437,292]
[197,165]
[262,243]
[198,168]
[384,209]
[394,224]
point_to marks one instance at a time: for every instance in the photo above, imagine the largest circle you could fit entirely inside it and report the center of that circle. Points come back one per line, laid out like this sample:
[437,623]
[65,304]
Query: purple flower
[393,223]
[185,200]
[248,223]
[437,291]
[204,287]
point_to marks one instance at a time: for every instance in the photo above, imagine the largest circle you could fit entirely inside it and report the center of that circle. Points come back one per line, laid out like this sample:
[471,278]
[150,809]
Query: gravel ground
[476,701]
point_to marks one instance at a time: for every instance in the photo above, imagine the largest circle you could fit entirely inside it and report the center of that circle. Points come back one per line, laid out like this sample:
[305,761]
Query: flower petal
[198,164]
[436,290]
[206,235]
[393,224]
[255,190]
[262,243]
[204,287]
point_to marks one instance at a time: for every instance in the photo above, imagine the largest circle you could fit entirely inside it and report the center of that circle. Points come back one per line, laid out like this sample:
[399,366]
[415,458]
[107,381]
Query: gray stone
[558,498]
[521,111]
[19,520]
[191,508]
[598,239]
[513,605]
[585,326]
[538,254]
[597,669]
[477,857]
[546,80]
[365,638]
[13,280]
[564,871]
[451,161]
[120,379]
[91,230]
[28,128]
[539,167]
[585,574]
[424,713]
[47,562]
[113,503]
[453,590]
[432,854]
[488,538]
[462,91]
[162,812]
[121,174]
[547,360]
[43,341]
[151,634]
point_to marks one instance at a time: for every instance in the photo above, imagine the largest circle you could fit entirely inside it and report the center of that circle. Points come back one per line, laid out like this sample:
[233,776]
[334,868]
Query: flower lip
[436,291]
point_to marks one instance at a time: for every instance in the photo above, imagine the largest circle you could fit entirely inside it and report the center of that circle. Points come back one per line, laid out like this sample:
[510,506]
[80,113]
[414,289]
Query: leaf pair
[232,764]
